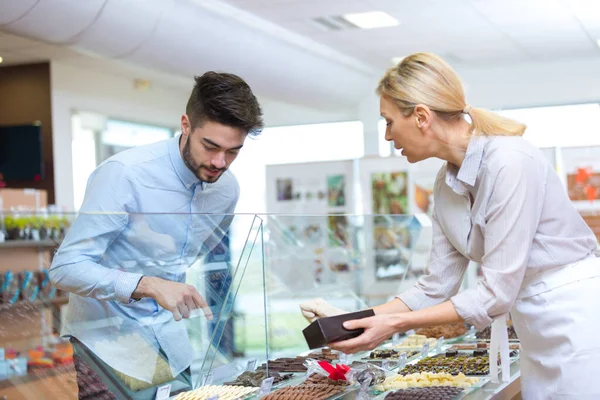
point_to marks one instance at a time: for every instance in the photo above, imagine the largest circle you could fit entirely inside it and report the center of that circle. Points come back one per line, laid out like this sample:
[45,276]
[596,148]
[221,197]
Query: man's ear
[186,126]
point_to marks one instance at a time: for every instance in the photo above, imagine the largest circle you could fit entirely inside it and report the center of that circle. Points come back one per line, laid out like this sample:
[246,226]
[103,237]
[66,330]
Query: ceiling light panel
[371,19]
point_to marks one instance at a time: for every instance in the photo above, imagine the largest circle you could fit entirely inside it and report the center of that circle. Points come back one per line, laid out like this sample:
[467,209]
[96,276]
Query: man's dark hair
[226,99]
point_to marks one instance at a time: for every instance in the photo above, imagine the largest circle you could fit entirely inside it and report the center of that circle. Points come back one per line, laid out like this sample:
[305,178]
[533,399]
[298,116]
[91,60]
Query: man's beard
[195,167]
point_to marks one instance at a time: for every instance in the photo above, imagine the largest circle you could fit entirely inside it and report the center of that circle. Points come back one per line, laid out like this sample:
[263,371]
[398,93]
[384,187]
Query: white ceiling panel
[252,54]
[57,20]
[116,32]
[588,13]
[510,13]
[310,9]
[273,41]
[13,10]
[501,51]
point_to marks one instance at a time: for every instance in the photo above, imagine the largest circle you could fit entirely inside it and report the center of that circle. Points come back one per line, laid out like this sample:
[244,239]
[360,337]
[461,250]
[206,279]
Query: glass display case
[252,271]
[129,346]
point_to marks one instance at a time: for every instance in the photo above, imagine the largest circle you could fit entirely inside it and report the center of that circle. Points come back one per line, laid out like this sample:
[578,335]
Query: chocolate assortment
[426,393]
[255,378]
[426,379]
[223,393]
[325,354]
[486,334]
[316,387]
[480,345]
[416,341]
[445,331]
[285,365]
[468,365]
[391,354]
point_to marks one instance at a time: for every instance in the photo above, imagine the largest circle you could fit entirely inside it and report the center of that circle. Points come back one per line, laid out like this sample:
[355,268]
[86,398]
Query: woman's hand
[319,308]
[377,330]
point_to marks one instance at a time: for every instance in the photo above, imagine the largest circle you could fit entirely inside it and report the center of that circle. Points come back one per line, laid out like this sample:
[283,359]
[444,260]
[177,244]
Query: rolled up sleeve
[512,217]
[444,274]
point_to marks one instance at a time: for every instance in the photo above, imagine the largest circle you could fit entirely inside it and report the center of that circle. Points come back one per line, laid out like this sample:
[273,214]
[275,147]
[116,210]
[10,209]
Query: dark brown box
[330,329]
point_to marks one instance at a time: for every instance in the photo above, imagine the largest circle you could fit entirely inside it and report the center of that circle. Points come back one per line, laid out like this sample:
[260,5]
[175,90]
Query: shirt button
[195,197]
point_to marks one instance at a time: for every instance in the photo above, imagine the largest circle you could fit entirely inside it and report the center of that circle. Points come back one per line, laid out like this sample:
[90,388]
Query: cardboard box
[30,199]
[331,329]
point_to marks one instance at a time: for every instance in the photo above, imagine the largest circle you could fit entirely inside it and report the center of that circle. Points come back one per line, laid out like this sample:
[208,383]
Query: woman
[497,202]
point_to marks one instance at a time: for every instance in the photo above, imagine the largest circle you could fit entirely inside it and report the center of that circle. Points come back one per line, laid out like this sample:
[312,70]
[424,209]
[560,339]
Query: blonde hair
[424,78]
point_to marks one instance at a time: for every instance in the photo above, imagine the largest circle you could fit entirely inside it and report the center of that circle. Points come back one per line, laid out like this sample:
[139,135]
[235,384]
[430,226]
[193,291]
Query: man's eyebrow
[218,146]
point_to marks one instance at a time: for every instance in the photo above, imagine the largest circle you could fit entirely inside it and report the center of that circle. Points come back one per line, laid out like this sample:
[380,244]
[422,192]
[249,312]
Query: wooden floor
[42,386]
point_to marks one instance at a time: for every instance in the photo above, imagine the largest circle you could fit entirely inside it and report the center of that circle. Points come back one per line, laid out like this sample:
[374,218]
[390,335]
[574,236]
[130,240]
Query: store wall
[25,98]
[78,89]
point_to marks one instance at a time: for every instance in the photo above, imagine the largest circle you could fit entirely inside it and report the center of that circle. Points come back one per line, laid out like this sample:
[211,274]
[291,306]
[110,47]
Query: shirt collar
[469,169]
[186,176]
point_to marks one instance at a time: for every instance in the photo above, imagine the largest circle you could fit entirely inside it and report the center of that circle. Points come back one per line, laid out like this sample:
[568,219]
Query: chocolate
[325,354]
[316,387]
[486,334]
[445,331]
[305,392]
[329,330]
[425,393]
[223,392]
[285,365]
[452,365]
[255,378]
[317,379]
[391,354]
[481,352]
[425,379]
[452,353]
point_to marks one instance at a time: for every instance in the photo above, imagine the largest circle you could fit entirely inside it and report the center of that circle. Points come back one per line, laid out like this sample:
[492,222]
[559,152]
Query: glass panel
[352,262]
[130,346]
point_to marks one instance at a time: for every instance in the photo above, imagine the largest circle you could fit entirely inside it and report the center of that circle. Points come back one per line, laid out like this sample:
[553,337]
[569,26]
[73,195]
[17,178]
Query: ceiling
[277,48]
[467,32]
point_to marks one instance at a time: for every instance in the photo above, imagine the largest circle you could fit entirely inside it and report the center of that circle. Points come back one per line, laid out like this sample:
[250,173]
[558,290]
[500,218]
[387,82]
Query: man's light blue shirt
[144,213]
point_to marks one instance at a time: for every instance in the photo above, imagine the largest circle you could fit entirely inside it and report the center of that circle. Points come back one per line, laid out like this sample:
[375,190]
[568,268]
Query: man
[148,214]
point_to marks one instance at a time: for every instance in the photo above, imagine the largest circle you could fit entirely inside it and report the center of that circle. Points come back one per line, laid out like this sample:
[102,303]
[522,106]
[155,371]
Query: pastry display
[224,393]
[486,334]
[285,365]
[425,379]
[415,341]
[468,365]
[255,378]
[391,354]
[445,331]
[426,393]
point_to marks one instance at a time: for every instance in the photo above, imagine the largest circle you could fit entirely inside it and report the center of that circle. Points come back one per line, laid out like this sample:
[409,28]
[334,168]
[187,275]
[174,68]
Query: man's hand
[319,308]
[179,298]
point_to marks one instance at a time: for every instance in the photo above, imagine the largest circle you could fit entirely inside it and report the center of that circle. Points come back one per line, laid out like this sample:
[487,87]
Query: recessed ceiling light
[1,60]
[371,19]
